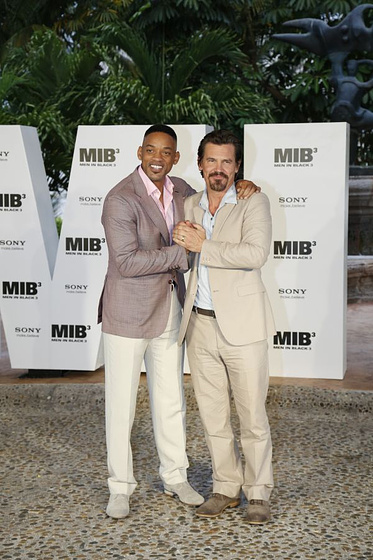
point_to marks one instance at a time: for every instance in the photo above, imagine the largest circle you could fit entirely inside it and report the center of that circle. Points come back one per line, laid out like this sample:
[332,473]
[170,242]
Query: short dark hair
[161,128]
[220,137]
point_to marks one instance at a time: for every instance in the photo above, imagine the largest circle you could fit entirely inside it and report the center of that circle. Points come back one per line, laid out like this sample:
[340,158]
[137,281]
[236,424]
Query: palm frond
[134,45]
[123,101]
[204,45]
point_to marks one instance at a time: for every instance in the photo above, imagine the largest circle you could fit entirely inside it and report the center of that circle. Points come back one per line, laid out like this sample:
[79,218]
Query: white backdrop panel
[28,245]
[59,324]
[303,168]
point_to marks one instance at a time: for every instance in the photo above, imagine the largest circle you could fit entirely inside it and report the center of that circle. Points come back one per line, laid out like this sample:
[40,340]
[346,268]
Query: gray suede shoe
[216,505]
[258,512]
[185,493]
[118,506]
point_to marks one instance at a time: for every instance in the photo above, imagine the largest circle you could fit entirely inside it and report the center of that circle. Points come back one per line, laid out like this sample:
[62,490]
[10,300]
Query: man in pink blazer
[227,320]
[141,311]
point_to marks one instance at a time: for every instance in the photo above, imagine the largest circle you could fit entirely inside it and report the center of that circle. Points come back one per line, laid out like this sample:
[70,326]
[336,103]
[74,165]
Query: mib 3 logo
[12,244]
[98,157]
[294,157]
[292,340]
[84,245]
[11,202]
[292,293]
[293,249]
[90,200]
[69,333]
[32,332]
[20,290]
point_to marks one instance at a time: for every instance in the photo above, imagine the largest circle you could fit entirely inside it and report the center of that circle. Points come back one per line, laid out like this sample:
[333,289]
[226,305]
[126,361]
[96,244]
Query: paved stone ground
[53,490]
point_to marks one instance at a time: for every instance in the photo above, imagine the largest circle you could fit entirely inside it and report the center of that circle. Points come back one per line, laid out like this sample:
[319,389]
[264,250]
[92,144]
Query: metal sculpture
[337,43]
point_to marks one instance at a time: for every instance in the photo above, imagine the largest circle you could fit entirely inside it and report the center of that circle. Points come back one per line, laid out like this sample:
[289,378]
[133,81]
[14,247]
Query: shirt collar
[230,197]
[151,187]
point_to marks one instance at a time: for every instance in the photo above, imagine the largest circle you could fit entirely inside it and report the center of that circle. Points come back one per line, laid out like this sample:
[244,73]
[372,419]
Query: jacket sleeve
[187,190]
[120,225]
[253,249]
[190,191]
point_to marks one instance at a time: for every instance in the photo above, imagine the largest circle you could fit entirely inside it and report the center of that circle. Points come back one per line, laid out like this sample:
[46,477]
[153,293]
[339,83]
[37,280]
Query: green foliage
[44,85]
[58,225]
[65,63]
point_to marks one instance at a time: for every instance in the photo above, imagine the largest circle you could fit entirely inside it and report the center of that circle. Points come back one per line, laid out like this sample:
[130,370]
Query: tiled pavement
[54,491]
[53,471]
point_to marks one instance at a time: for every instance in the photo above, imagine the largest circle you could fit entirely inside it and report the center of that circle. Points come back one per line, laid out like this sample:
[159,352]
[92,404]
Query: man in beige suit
[141,312]
[226,321]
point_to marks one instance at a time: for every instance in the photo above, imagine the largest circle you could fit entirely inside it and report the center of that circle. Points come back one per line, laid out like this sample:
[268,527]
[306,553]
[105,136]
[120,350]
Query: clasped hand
[190,236]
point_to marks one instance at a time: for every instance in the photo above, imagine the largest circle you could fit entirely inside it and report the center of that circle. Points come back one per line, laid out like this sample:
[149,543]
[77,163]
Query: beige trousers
[218,370]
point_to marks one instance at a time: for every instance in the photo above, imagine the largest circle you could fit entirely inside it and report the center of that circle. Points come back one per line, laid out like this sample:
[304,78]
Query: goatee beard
[219,184]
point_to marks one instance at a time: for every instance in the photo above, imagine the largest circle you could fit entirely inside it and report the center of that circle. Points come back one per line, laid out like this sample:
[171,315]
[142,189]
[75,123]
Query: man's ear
[177,157]
[139,153]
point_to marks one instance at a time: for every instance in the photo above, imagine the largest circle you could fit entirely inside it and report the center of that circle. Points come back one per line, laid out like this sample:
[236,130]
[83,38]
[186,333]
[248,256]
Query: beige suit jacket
[239,247]
[136,297]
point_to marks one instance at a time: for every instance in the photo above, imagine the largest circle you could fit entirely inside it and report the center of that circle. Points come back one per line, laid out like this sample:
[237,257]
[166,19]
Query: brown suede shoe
[216,505]
[258,512]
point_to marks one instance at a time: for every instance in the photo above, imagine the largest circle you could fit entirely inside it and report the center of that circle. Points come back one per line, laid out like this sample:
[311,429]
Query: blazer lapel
[198,214]
[221,218]
[197,218]
[179,215]
[150,207]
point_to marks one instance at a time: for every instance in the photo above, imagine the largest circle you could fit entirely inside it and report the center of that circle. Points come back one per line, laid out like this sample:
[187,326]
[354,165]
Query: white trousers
[164,370]
[219,369]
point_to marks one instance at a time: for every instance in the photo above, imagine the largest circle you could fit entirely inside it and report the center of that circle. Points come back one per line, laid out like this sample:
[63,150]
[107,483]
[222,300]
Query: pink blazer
[135,300]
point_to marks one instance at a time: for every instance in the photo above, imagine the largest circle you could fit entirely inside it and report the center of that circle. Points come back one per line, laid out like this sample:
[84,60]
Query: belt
[208,312]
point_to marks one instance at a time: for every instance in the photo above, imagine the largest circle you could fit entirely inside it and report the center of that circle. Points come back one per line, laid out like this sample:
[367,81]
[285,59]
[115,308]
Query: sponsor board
[50,287]
[303,168]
